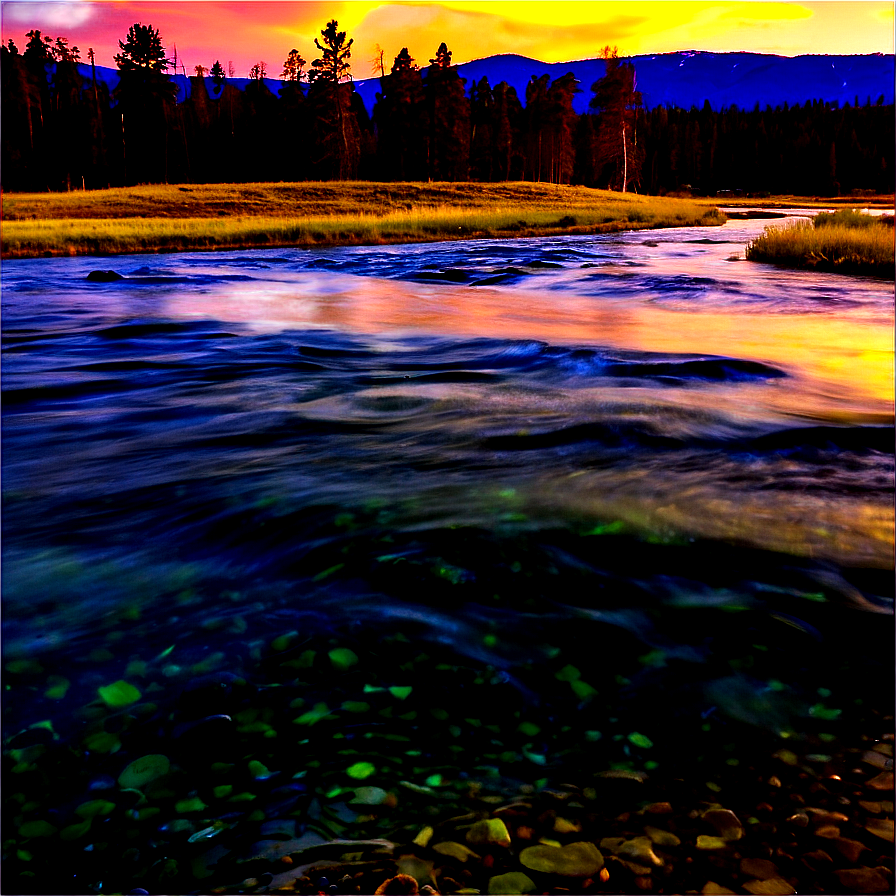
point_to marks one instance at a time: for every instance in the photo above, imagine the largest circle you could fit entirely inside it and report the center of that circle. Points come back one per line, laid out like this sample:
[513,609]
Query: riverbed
[423,518]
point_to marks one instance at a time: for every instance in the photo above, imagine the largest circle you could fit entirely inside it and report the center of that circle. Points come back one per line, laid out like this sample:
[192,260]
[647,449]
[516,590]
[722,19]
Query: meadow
[171,218]
[846,241]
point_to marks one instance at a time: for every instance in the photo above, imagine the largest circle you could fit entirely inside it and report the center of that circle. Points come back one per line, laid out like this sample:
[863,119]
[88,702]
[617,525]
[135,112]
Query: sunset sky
[245,32]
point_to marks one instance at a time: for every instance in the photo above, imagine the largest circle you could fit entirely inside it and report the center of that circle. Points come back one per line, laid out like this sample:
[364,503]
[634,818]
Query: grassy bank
[845,241]
[874,200]
[231,216]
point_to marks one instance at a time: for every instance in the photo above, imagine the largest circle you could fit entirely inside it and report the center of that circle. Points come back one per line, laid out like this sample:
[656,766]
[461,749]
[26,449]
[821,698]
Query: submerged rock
[862,880]
[581,859]
[104,276]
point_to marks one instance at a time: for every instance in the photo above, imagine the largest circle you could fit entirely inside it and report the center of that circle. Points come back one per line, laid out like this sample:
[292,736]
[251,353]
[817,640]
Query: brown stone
[883,781]
[640,851]
[643,882]
[711,888]
[862,880]
[868,806]
[823,816]
[611,844]
[774,781]
[817,860]
[878,760]
[660,837]
[706,842]
[727,825]
[880,827]
[799,819]
[828,831]
[775,886]
[885,749]
[659,809]
[759,868]
[850,849]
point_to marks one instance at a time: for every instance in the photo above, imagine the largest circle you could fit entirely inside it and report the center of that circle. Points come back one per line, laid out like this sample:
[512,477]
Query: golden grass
[228,216]
[875,200]
[830,243]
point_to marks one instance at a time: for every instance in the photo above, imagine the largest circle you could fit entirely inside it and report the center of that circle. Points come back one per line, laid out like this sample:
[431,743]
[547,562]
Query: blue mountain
[683,79]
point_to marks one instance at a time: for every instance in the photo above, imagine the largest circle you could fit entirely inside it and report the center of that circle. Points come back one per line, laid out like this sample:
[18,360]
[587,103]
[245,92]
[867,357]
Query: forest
[63,131]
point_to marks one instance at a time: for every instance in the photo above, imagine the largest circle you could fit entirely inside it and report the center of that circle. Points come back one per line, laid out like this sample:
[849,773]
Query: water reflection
[219,408]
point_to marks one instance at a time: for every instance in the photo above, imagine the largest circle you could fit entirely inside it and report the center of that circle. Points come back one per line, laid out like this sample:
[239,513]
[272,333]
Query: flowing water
[554,478]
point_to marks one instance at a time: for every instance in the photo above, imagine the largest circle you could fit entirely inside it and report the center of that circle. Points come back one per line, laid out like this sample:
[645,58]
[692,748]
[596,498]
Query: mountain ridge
[684,78]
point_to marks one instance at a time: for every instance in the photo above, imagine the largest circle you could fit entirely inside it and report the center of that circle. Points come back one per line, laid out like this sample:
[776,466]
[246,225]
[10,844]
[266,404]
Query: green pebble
[400,693]
[568,673]
[74,831]
[192,804]
[320,711]
[582,689]
[282,642]
[258,769]
[513,882]
[640,740]
[143,770]
[146,812]
[342,658]
[95,808]
[361,770]
[119,694]
[37,829]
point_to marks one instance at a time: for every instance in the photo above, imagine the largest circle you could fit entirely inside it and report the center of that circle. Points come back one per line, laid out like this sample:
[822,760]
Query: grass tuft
[846,241]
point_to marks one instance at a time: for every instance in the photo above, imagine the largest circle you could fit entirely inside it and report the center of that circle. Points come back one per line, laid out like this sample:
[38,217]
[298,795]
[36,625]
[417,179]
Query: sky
[243,32]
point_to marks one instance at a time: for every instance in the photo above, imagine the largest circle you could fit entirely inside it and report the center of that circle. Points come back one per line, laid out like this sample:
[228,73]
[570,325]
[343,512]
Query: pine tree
[336,149]
[537,135]
[401,122]
[561,119]
[293,67]
[145,94]
[482,109]
[333,65]
[508,115]
[217,75]
[448,110]
[616,98]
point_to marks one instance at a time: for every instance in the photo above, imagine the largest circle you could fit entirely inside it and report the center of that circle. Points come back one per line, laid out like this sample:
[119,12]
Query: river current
[636,456]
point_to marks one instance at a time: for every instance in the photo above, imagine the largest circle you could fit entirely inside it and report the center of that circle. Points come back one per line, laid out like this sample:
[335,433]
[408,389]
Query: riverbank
[844,242]
[171,218]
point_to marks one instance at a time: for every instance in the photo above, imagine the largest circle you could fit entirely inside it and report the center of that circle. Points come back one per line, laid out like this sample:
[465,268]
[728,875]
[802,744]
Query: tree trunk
[624,159]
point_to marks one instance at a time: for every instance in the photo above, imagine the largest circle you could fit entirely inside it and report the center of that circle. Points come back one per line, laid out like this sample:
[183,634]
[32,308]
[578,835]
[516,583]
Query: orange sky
[554,31]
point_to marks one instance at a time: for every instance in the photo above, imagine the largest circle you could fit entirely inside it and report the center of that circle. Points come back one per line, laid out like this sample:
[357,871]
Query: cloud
[473,33]
[766,12]
[46,17]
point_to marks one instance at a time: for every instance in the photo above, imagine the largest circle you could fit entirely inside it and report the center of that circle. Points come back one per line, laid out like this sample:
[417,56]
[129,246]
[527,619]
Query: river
[553,479]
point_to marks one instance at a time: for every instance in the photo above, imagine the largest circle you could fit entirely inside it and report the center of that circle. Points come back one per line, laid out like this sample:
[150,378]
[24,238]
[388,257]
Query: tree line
[61,130]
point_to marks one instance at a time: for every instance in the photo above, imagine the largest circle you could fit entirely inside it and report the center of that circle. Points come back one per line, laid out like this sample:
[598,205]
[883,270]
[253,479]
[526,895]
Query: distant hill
[683,79]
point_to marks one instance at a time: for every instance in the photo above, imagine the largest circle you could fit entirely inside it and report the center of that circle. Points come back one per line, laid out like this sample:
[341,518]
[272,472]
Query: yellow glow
[560,31]
[554,31]
[660,12]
